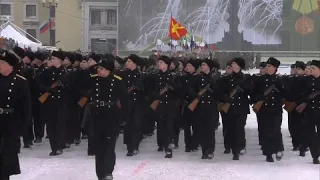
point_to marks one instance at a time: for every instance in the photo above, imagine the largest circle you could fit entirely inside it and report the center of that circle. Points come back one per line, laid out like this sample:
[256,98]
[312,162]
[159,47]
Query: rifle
[83,101]
[155,103]
[43,98]
[224,107]
[289,106]
[195,102]
[302,106]
[257,106]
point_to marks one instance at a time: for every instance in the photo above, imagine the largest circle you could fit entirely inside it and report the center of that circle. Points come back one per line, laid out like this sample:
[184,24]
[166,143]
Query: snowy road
[151,165]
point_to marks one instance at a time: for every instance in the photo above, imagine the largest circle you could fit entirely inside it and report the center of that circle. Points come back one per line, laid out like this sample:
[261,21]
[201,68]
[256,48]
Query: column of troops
[72,97]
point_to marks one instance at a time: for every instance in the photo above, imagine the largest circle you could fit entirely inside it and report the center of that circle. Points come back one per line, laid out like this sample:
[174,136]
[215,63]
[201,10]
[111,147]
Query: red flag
[176,31]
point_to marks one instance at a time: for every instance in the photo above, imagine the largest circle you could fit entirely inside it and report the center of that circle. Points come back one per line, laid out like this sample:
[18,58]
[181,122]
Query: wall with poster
[286,25]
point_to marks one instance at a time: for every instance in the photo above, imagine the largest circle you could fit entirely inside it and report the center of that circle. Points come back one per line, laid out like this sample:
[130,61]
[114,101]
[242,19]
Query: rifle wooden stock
[193,104]
[223,107]
[43,98]
[155,104]
[83,101]
[301,107]
[289,106]
[257,106]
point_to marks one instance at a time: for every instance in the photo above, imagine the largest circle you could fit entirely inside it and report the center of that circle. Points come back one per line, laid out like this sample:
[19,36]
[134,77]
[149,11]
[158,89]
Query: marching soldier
[107,90]
[268,93]
[310,107]
[133,128]
[226,142]
[164,95]
[53,82]
[206,112]
[15,113]
[188,117]
[236,87]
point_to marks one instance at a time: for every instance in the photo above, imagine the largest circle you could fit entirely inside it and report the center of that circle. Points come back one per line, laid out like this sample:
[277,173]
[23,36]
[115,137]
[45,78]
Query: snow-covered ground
[74,164]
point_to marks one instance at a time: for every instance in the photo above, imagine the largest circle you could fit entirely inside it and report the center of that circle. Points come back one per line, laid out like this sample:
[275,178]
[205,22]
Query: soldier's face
[162,65]
[270,69]
[229,70]
[91,62]
[172,66]
[299,71]
[190,68]
[66,62]
[55,61]
[26,60]
[293,71]
[307,71]
[205,68]
[102,72]
[130,64]
[84,65]
[263,70]
[315,71]
[4,67]
[235,67]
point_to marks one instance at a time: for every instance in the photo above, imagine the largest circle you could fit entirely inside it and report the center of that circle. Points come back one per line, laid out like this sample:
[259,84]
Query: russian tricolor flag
[46,26]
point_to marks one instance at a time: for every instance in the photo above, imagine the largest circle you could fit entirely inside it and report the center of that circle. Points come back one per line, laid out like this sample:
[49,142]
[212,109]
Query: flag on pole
[176,31]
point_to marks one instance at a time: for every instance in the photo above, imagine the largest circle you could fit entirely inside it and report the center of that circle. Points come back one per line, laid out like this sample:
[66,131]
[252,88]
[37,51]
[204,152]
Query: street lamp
[50,4]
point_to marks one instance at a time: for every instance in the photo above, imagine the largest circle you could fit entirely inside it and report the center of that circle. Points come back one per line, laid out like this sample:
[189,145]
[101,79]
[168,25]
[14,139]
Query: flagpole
[170,30]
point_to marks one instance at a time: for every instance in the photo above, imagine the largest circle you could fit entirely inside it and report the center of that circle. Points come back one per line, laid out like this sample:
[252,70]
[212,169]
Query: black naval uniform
[15,115]
[239,109]
[270,115]
[104,112]
[312,118]
[165,112]
[56,108]
[206,113]
[133,127]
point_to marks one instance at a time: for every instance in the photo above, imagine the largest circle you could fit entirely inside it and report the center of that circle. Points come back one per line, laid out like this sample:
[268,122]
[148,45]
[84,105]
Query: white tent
[9,30]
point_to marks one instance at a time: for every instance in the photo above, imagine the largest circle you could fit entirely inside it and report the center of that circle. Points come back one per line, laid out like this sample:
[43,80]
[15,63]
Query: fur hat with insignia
[8,57]
[211,63]
[40,56]
[58,54]
[300,64]
[165,59]
[134,58]
[315,63]
[70,56]
[78,57]
[107,64]
[95,57]
[240,61]
[308,63]
[30,55]
[274,62]
[195,63]
[19,51]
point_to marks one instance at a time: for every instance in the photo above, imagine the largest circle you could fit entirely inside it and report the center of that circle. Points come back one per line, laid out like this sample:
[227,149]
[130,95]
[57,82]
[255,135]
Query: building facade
[29,15]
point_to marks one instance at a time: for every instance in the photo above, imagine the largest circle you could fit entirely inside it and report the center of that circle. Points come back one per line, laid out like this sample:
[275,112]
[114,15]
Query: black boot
[236,157]
[269,159]
[227,151]
[302,153]
[316,161]
[168,154]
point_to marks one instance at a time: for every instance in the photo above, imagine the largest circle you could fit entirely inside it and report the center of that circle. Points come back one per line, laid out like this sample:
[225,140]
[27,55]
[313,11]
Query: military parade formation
[67,97]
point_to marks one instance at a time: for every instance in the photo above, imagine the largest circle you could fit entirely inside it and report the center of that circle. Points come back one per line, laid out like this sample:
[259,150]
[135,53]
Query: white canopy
[10,30]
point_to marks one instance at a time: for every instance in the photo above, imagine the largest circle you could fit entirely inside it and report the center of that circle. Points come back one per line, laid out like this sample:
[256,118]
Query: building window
[32,34]
[52,11]
[95,15]
[111,17]
[31,11]
[5,9]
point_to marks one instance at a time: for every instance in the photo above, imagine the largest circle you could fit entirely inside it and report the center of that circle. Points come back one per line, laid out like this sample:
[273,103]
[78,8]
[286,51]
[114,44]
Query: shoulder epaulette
[117,77]
[94,75]
[21,77]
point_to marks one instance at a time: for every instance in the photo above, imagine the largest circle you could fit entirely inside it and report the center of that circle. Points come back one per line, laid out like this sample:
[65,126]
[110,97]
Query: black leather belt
[103,103]
[6,110]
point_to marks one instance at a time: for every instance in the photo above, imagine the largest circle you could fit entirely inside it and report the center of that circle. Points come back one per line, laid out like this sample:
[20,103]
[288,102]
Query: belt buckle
[1,110]
[101,103]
